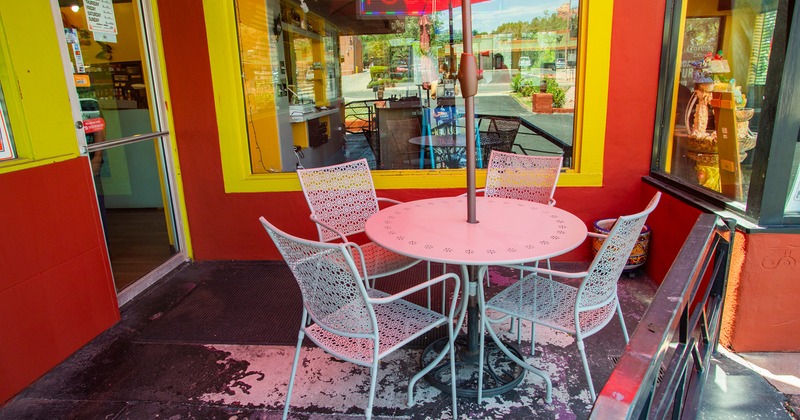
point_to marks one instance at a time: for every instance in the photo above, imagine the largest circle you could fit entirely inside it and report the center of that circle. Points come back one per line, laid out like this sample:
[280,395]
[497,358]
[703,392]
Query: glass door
[117,88]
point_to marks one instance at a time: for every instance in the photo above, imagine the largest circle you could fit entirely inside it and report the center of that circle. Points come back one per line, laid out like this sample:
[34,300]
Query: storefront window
[723,60]
[6,141]
[728,131]
[393,97]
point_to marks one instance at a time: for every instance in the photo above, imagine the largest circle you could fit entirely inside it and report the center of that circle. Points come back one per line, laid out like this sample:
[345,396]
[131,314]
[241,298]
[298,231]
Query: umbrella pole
[468,78]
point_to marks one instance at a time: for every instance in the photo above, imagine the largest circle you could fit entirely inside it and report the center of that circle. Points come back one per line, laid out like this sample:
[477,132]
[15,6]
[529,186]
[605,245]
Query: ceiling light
[304,6]
[75,8]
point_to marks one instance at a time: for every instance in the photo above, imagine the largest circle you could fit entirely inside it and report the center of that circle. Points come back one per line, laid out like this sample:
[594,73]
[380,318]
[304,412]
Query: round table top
[508,231]
[442,140]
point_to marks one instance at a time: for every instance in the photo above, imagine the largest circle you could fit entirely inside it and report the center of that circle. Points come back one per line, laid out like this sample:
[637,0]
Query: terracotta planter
[638,255]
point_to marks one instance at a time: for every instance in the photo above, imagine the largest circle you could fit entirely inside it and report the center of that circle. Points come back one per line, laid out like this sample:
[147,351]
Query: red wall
[225,226]
[56,290]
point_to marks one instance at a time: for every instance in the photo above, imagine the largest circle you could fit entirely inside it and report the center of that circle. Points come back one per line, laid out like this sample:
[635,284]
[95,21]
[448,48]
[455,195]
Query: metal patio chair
[500,136]
[522,177]
[351,321]
[341,198]
[580,311]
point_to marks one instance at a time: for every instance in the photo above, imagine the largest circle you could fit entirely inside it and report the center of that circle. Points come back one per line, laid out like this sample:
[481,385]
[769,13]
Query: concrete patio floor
[119,376]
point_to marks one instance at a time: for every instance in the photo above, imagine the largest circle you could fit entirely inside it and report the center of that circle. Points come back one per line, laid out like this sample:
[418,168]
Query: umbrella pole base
[500,373]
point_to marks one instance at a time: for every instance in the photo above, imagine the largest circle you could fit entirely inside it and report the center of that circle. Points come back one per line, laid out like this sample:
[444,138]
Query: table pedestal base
[500,373]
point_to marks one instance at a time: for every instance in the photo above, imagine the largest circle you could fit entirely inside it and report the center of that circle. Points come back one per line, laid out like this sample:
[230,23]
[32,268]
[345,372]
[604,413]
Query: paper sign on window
[100,16]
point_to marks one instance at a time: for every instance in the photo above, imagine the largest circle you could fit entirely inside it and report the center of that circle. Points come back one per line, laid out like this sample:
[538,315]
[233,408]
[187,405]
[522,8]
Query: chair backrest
[600,285]
[396,151]
[333,292]
[328,189]
[500,136]
[523,177]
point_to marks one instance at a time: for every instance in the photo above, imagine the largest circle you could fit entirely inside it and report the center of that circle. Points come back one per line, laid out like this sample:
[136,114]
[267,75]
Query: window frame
[596,19]
[40,116]
[772,161]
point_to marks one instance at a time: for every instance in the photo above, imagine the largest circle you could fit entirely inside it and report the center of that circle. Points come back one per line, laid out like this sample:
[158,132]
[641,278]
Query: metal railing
[360,118]
[666,362]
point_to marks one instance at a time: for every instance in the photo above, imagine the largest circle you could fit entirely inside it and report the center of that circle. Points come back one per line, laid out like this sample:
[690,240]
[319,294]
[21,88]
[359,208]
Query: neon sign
[378,8]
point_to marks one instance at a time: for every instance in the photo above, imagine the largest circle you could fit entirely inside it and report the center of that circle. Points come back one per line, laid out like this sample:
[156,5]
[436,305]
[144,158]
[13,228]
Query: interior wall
[53,298]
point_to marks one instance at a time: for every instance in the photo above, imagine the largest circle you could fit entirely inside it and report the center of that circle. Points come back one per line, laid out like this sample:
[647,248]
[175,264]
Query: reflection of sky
[488,15]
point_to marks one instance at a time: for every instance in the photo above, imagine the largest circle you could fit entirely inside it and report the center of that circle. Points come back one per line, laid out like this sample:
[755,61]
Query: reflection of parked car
[524,62]
[561,63]
[90,108]
[398,70]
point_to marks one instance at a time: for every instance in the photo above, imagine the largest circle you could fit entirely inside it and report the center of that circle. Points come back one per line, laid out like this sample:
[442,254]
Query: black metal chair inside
[500,136]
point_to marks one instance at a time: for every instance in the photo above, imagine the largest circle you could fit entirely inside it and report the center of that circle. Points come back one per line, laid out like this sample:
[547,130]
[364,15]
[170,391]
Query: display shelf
[298,30]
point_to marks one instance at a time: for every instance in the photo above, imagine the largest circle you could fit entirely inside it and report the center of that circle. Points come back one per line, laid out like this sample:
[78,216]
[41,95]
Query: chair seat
[398,322]
[555,305]
[381,262]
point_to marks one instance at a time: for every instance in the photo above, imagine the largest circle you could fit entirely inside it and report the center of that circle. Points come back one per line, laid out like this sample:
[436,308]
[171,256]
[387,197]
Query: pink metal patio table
[508,232]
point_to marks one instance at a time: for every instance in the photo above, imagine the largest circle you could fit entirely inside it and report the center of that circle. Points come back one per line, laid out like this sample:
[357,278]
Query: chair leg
[533,338]
[622,322]
[294,371]
[582,349]
[373,379]
[481,334]
[453,373]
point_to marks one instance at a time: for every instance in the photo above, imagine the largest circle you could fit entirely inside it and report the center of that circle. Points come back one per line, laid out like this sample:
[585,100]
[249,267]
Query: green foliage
[524,86]
[516,82]
[529,87]
[549,22]
[376,72]
[559,94]
[380,82]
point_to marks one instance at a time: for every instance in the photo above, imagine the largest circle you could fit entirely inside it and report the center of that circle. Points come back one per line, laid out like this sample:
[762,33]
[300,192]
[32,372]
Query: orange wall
[56,291]
[225,226]
[761,306]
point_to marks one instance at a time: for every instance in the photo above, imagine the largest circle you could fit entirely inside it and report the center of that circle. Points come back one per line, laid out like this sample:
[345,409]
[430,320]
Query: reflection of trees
[376,47]
[551,21]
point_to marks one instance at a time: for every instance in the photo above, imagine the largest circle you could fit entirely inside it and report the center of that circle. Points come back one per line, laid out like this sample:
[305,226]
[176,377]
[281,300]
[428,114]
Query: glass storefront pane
[109,70]
[724,52]
[391,90]
[112,73]
[793,200]
[6,139]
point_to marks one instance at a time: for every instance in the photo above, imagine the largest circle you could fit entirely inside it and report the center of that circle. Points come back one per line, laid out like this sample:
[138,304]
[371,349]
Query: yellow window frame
[31,68]
[590,112]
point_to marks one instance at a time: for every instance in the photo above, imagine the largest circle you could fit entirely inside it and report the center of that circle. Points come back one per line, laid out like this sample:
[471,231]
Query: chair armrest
[597,235]
[389,200]
[480,190]
[341,236]
[538,270]
[417,288]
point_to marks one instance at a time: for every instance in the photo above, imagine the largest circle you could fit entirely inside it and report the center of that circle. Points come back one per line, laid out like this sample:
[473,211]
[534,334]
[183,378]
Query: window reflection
[399,103]
[724,57]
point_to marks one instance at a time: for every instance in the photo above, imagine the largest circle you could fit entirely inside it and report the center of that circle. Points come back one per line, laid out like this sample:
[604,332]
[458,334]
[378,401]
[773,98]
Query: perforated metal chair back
[522,177]
[333,292]
[351,322]
[600,285]
[340,196]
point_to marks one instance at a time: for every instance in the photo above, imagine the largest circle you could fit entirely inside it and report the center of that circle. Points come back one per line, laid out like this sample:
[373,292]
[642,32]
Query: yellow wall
[32,76]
